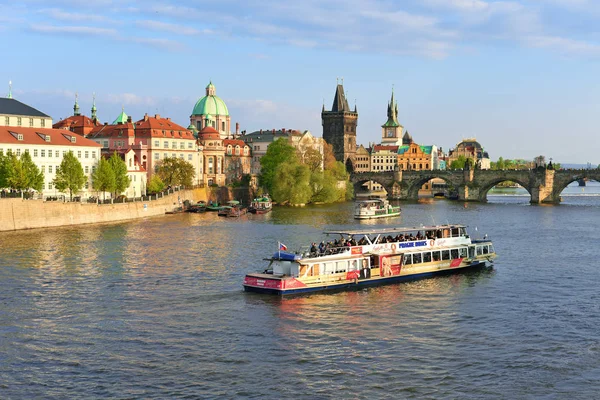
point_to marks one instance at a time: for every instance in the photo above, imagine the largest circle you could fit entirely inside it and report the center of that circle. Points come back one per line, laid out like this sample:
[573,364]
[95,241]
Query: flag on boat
[282,246]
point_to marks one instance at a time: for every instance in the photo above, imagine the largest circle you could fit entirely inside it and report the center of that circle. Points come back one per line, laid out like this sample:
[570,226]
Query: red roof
[234,142]
[154,126]
[76,121]
[106,131]
[58,137]
[208,132]
[381,147]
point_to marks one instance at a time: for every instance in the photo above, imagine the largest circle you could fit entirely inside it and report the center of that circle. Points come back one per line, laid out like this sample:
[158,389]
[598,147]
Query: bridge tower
[339,127]
[391,131]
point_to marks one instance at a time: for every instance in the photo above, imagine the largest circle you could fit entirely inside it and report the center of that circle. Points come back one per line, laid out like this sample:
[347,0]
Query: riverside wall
[17,214]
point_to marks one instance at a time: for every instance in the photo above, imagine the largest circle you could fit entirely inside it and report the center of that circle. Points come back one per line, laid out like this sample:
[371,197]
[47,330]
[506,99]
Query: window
[165,155]
[426,257]
[182,145]
[49,153]
[49,185]
[30,122]
[211,167]
[435,256]
[43,153]
[49,169]
[445,254]
[237,150]
[228,150]
[181,156]
[157,143]
[18,152]
[454,254]
[87,154]
[6,121]
[87,169]
[105,143]
[43,122]
[174,145]
[18,121]
[87,185]
[93,168]
[189,157]
[190,145]
[35,152]
[57,153]
[166,144]
[407,259]
[79,154]
[93,154]
[43,169]
[417,258]
[156,156]
[223,125]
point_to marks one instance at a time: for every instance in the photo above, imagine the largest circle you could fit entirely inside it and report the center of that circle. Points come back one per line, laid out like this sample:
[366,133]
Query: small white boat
[375,208]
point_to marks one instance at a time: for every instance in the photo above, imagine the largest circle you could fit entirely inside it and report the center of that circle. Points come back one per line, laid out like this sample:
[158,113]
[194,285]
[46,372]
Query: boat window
[472,251]
[445,254]
[492,249]
[435,256]
[454,232]
[454,253]
[462,252]
[353,266]
[439,233]
[485,249]
[417,258]
[426,257]
[479,250]
[341,266]
[407,259]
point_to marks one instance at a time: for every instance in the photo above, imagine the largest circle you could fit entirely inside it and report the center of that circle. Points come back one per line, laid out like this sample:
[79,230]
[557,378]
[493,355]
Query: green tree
[291,184]
[17,176]
[4,170]
[323,186]
[175,171]
[328,156]
[69,175]
[279,152]
[35,177]
[103,178]
[119,169]
[155,184]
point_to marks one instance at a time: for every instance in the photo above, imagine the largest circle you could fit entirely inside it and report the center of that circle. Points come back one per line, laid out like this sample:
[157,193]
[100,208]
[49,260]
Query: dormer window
[73,139]
[20,136]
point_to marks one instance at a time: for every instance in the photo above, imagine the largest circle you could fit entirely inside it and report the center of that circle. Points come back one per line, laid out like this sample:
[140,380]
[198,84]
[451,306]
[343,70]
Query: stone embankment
[17,214]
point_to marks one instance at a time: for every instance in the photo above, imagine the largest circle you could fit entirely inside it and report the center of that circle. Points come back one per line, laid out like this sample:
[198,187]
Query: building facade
[470,148]
[237,160]
[339,128]
[47,148]
[79,123]
[17,114]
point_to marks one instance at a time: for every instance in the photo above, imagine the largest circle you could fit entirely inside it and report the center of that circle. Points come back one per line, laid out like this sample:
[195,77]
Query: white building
[47,147]
[15,113]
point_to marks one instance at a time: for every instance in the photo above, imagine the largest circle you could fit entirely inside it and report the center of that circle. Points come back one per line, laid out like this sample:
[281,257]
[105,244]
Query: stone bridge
[544,185]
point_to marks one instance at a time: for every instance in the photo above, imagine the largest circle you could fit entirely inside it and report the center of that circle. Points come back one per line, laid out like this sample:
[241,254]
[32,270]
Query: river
[154,309]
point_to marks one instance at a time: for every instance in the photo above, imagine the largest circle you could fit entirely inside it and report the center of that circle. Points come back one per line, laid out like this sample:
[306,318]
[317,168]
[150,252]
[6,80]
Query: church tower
[339,127]
[391,131]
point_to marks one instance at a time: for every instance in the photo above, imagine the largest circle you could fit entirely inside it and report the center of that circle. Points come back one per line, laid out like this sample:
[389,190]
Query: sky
[520,76]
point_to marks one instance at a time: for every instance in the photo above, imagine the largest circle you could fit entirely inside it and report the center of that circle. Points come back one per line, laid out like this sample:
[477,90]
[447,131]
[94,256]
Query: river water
[154,309]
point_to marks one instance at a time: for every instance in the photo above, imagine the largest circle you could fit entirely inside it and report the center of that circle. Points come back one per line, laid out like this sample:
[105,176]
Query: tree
[119,169]
[291,183]
[175,171]
[4,170]
[313,159]
[69,175]
[328,156]
[155,184]
[279,152]
[35,177]
[103,179]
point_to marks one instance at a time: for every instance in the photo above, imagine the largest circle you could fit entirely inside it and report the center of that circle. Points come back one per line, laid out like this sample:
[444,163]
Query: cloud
[161,43]
[564,45]
[73,16]
[173,28]
[83,30]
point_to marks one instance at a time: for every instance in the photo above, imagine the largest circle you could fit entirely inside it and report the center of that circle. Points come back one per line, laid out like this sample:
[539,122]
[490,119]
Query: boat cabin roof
[233,202]
[392,230]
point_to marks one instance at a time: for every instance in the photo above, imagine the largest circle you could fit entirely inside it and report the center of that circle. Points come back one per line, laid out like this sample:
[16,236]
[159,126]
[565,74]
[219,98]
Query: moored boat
[375,208]
[213,206]
[362,258]
[237,210]
[261,205]
[224,211]
[197,208]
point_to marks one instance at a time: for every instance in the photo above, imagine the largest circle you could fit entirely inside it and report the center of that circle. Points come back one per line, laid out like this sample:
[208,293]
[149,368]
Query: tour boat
[236,210]
[363,258]
[261,205]
[213,206]
[375,208]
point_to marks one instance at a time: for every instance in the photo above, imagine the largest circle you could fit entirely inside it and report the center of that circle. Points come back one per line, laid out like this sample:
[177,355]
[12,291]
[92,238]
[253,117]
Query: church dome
[210,104]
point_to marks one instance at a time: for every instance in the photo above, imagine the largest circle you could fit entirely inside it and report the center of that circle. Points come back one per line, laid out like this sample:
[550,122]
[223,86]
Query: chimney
[169,119]
[237,128]
[146,117]
[129,118]
[157,116]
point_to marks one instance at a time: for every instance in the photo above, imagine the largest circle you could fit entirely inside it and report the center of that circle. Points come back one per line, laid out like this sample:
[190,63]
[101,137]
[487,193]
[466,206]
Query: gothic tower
[339,127]
[391,131]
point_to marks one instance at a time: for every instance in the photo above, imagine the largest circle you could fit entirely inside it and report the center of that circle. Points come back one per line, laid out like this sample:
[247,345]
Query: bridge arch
[358,185]
[485,188]
[562,181]
[417,184]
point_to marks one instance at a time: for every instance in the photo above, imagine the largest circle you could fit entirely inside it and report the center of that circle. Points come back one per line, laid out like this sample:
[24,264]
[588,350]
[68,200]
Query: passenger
[313,248]
[322,247]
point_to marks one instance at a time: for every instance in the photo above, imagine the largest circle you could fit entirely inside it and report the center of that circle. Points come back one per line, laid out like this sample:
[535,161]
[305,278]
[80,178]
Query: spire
[76,106]
[392,112]
[340,104]
[9,90]
[94,106]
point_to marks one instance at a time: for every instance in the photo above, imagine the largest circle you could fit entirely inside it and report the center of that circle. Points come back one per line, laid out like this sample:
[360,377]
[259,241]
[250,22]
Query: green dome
[122,118]
[210,105]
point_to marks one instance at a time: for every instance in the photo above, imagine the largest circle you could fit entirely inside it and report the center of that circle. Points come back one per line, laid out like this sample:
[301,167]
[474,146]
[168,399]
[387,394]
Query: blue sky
[521,76]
